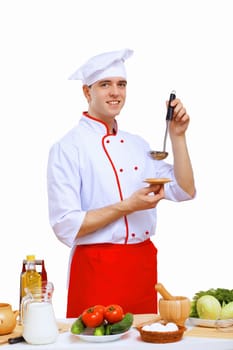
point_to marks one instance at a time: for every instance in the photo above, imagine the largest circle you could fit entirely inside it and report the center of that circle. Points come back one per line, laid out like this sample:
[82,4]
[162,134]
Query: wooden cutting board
[204,332]
[143,319]
[62,327]
[17,332]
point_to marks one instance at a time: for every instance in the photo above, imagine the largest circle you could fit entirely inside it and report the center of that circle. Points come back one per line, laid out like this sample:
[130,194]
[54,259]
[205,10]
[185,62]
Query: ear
[86,92]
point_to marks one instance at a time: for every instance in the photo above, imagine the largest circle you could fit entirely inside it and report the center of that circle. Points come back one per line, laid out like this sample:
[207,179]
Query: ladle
[159,155]
[163,291]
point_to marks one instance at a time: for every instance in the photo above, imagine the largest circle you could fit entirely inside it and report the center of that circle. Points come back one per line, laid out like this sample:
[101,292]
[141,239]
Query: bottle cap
[30,257]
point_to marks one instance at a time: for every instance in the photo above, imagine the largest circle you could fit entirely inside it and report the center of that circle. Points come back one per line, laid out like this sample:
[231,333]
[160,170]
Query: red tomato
[100,308]
[92,317]
[113,313]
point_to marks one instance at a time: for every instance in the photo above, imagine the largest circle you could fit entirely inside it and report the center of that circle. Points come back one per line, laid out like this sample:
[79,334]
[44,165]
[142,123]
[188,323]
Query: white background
[181,45]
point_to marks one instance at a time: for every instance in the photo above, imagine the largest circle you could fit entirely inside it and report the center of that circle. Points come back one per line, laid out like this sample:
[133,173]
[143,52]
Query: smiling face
[106,98]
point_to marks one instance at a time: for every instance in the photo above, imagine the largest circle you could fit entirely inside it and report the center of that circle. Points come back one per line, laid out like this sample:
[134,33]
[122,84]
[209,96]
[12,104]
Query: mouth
[114,102]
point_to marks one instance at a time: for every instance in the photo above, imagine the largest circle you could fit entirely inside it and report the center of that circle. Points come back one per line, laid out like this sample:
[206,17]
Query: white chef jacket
[90,168]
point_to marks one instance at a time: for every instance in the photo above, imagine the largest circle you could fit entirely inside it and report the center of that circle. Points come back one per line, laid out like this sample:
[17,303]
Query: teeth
[113,102]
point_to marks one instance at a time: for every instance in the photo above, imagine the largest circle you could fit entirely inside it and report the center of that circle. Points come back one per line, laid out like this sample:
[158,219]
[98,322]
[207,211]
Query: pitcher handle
[25,300]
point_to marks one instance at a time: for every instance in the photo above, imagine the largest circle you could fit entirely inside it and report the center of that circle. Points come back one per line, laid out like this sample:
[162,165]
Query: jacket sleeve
[63,185]
[173,191]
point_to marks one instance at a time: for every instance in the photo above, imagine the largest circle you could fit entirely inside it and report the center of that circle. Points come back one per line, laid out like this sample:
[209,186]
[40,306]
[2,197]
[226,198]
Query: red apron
[123,274]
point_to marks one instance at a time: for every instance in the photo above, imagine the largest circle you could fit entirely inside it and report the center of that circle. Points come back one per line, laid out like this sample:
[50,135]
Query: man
[98,202]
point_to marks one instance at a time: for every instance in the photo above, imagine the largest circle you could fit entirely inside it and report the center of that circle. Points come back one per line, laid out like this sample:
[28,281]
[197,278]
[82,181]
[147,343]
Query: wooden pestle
[163,291]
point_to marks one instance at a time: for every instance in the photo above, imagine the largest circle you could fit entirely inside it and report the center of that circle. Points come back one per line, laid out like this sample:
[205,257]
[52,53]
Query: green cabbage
[208,307]
[227,311]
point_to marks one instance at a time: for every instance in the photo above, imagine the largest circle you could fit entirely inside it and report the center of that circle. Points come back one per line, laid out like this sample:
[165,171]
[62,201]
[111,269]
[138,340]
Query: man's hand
[180,120]
[145,198]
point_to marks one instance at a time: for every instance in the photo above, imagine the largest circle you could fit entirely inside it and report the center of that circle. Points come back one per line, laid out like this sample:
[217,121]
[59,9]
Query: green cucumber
[78,326]
[108,329]
[122,326]
[100,330]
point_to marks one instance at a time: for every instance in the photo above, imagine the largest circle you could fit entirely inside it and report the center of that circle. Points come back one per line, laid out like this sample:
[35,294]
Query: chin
[114,112]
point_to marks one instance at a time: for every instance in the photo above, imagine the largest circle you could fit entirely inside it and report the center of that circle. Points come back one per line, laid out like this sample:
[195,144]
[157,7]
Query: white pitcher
[39,322]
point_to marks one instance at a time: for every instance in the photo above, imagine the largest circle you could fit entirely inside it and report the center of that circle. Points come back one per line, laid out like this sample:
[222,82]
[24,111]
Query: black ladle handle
[16,340]
[170,109]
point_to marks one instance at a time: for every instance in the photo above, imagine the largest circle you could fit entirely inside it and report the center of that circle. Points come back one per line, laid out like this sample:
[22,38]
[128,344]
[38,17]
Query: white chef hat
[108,64]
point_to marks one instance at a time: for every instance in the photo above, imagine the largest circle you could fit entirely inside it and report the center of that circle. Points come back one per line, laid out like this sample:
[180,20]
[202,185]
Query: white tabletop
[129,341]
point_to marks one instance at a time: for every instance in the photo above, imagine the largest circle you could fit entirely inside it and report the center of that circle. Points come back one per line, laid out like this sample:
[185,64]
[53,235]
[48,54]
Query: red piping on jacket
[113,167]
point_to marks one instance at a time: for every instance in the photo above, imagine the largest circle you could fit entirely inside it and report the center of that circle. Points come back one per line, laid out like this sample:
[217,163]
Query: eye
[122,84]
[104,84]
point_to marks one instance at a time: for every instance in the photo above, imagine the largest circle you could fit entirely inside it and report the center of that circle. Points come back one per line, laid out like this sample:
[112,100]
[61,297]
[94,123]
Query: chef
[99,204]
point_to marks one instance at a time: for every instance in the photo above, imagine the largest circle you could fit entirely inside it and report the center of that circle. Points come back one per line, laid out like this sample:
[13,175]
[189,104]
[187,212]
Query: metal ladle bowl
[160,155]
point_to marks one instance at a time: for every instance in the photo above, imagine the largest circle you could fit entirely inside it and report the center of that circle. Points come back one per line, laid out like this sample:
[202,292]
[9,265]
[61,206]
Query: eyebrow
[109,81]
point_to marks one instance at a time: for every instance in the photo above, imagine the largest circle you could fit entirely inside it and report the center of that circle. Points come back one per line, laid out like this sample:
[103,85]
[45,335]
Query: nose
[114,91]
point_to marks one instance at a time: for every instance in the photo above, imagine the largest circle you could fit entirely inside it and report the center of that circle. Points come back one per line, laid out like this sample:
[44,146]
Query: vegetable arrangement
[213,304]
[103,320]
